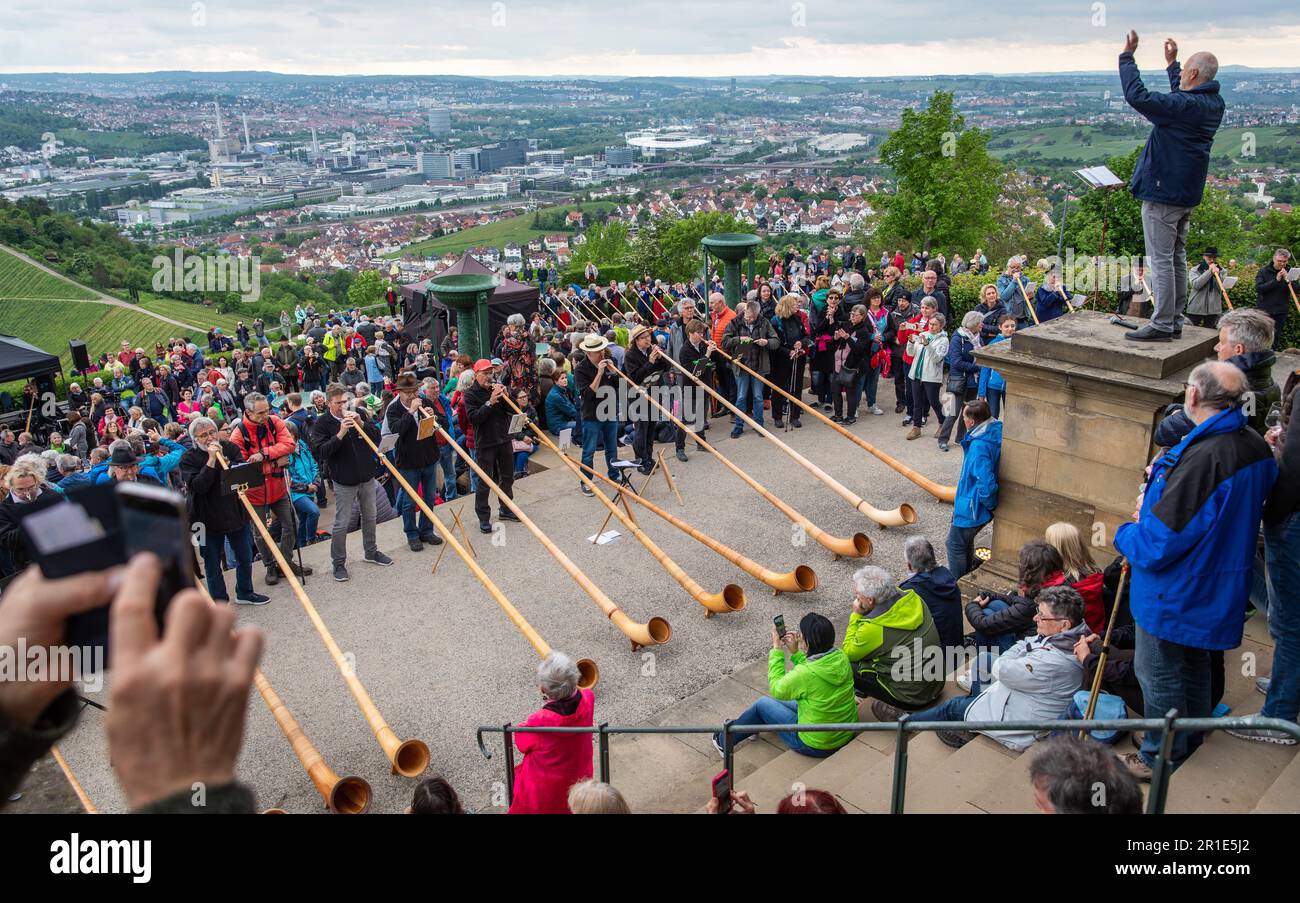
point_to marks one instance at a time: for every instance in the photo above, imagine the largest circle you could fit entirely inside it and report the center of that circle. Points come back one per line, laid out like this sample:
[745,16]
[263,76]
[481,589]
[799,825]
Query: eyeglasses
[1038,616]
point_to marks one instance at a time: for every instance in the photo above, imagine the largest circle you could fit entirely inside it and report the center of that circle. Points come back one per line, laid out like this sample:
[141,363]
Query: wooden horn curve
[900,516]
[588,672]
[656,631]
[408,758]
[855,546]
[942,493]
[342,796]
[730,598]
[803,579]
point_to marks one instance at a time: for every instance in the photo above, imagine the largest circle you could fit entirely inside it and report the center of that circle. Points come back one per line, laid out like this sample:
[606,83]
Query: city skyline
[722,38]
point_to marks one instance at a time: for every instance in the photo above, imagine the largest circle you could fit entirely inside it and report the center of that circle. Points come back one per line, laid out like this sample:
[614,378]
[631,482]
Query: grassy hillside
[50,324]
[19,279]
[516,229]
[1058,142]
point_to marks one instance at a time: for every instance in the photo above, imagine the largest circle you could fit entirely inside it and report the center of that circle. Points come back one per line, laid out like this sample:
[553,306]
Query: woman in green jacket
[892,643]
[818,690]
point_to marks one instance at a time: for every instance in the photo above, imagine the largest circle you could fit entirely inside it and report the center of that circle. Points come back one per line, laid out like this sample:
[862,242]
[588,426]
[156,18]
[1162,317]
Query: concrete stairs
[673,773]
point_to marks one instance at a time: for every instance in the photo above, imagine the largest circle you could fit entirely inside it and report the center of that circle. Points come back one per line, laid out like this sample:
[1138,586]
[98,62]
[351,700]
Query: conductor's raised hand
[1131,42]
[1171,51]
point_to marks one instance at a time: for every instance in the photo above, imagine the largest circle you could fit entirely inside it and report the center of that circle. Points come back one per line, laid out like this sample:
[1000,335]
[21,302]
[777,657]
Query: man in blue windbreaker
[977,487]
[1191,552]
[1169,177]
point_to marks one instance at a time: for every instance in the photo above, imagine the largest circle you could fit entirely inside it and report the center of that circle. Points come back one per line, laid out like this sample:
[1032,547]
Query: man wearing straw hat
[594,380]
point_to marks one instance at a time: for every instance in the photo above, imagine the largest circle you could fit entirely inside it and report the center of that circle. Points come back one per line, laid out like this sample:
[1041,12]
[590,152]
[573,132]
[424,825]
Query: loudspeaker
[80,356]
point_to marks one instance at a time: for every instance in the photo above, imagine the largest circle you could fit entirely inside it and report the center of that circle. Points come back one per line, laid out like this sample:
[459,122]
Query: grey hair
[943,321]
[971,320]
[593,797]
[860,310]
[28,465]
[515,320]
[199,424]
[1219,388]
[1207,64]
[1069,773]
[930,301]
[545,367]
[1285,252]
[1063,602]
[557,676]
[919,554]
[1253,329]
[856,281]
[69,464]
[877,584]
[252,399]
[359,386]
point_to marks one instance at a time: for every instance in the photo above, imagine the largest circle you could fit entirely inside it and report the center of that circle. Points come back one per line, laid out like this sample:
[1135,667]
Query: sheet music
[1229,281]
[428,426]
[1099,177]
[1293,274]
[388,443]
[566,438]
[604,538]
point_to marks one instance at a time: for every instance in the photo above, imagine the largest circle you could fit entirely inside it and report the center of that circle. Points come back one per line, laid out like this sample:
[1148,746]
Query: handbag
[846,377]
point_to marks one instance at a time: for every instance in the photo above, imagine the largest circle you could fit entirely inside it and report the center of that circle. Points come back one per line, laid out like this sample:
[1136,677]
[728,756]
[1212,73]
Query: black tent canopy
[426,317]
[22,360]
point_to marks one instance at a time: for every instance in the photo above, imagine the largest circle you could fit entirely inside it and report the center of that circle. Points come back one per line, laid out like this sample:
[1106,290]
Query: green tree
[606,245]
[366,288]
[1218,222]
[671,249]
[1276,229]
[947,181]
[1114,209]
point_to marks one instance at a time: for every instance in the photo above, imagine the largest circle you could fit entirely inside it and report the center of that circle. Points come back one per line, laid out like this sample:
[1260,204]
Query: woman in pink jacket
[552,763]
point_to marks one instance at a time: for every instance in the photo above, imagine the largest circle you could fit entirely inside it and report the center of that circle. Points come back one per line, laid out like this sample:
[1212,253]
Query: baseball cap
[482,364]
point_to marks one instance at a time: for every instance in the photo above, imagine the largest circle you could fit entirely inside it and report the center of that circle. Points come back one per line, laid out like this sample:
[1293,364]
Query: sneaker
[341,573]
[586,490]
[875,409]
[778,423]
[252,599]
[849,421]
[272,575]
[507,514]
[943,446]
[735,434]
[885,712]
[379,558]
[484,527]
[414,544]
[1261,735]
[794,422]
[1137,766]
[681,455]
[955,739]
[1262,684]
[963,680]
[913,433]
[900,408]
[722,753]
[433,539]
[828,408]
[907,421]
[836,418]
[304,571]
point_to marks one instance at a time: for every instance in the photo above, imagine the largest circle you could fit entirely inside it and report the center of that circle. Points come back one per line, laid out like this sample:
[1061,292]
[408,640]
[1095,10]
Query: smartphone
[722,791]
[779,623]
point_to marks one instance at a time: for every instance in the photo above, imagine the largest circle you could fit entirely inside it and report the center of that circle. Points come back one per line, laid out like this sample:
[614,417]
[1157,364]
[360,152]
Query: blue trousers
[749,398]
[776,711]
[308,518]
[1172,677]
[241,548]
[595,432]
[425,481]
[447,461]
[1282,553]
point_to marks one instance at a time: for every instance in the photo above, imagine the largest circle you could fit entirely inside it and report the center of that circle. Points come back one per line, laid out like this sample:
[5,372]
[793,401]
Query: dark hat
[122,455]
[406,382]
[1211,251]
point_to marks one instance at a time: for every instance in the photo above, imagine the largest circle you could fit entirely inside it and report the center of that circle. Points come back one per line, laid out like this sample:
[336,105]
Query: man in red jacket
[262,437]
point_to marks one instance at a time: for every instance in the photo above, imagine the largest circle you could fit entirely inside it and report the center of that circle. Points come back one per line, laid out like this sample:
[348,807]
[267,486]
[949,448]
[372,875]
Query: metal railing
[903,729]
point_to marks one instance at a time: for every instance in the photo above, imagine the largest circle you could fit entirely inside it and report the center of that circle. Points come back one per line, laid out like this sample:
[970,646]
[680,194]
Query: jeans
[447,461]
[241,546]
[1164,227]
[870,384]
[822,383]
[995,402]
[1172,677]
[344,497]
[595,432]
[282,509]
[308,517]
[961,550]
[1282,552]
[1003,641]
[776,711]
[925,397]
[955,709]
[423,480]
[521,460]
[749,398]
[556,428]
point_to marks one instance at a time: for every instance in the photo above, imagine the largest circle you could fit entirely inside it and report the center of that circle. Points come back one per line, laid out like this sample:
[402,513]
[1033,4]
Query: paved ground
[439,657]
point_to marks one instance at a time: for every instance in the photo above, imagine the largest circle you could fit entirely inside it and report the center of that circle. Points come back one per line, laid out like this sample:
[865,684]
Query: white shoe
[1262,684]
[1262,735]
[963,680]
[877,412]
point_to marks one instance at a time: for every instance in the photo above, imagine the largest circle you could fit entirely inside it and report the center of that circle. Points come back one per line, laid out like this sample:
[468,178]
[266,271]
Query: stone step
[1227,775]
[962,777]
[1283,795]
[774,781]
[1010,792]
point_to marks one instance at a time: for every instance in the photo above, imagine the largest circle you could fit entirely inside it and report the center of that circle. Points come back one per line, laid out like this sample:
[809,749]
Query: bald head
[1213,387]
[1198,69]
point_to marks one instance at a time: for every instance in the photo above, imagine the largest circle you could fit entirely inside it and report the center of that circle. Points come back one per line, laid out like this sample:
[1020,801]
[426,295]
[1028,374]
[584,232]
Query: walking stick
[1105,646]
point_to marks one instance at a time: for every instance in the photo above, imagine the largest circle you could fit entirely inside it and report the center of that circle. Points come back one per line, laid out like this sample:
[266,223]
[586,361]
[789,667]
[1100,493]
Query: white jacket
[1033,680]
[927,360]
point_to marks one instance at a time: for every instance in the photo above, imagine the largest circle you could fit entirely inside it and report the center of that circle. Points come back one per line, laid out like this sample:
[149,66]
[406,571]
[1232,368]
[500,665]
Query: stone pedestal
[1082,404]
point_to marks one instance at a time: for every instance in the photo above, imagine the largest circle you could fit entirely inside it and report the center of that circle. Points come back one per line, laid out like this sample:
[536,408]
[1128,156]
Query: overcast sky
[632,37]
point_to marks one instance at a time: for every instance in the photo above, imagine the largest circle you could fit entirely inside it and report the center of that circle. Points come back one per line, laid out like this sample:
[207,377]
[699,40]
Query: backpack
[1109,708]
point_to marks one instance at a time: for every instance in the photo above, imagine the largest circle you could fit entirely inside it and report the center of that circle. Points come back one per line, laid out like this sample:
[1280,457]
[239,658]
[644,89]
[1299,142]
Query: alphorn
[1226,299]
[342,796]
[802,579]
[653,633]
[731,598]
[588,673]
[1030,304]
[1294,299]
[409,758]
[855,546]
[903,514]
[82,796]
[942,493]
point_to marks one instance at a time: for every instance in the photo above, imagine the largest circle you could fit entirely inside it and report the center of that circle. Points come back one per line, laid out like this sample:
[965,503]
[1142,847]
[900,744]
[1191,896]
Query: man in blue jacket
[1169,178]
[977,487]
[1191,552]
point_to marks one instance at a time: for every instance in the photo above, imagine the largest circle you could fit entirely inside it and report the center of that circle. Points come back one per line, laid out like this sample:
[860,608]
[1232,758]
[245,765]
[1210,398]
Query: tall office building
[511,152]
[433,165]
[440,121]
[620,156]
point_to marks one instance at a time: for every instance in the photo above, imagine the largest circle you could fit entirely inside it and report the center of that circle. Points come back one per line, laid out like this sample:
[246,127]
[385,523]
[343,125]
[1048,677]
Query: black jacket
[1285,497]
[895,291]
[348,461]
[491,421]
[411,452]
[1273,296]
[584,373]
[218,512]
[938,590]
[638,366]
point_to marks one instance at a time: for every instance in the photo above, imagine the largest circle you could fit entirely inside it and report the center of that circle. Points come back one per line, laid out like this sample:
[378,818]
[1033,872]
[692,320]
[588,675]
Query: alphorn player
[493,450]
[416,458]
[351,465]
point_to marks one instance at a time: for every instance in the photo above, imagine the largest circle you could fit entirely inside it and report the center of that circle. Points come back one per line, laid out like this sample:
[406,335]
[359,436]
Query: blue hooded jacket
[977,487]
[1176,158]
[1192,548]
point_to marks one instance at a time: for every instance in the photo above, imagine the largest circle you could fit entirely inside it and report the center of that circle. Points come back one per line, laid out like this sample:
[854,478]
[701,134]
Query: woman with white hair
[963,374]
[892,643]
[553,763]
[26,482]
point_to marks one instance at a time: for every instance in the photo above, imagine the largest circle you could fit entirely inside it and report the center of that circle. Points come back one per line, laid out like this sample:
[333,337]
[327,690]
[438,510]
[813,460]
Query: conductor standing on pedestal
[1169,178]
